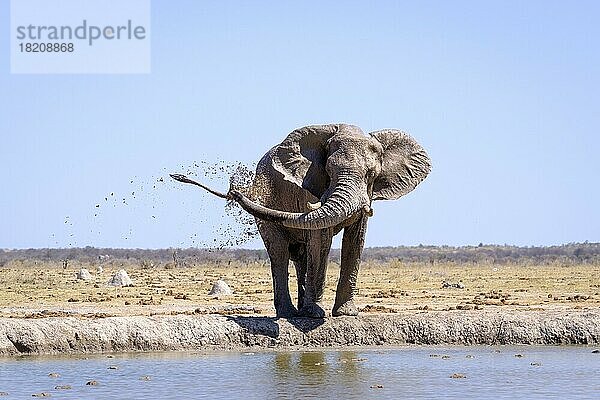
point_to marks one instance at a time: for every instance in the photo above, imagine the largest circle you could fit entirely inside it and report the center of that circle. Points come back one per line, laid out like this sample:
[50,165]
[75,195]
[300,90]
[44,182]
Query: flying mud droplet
[231,227]
[243,228]
[234,227]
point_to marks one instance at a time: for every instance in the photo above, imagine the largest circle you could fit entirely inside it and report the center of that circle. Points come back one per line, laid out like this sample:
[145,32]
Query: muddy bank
[196,332]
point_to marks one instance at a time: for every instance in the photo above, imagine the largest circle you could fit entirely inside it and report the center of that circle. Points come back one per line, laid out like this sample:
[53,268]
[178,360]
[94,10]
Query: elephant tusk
[313,206]
[367,210]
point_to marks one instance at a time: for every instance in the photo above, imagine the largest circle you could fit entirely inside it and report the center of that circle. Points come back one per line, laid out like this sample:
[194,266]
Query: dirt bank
[194,332]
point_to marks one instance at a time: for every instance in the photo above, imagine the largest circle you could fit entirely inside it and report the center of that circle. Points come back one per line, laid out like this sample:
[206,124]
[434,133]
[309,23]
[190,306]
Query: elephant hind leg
[301,274]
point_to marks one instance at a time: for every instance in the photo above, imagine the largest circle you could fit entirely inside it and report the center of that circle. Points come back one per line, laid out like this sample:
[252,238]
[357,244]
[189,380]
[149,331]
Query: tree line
[493,254]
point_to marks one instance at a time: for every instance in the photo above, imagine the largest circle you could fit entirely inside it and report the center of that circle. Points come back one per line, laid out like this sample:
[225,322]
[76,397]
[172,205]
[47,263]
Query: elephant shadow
[263,326]
[269,326]
[306,325]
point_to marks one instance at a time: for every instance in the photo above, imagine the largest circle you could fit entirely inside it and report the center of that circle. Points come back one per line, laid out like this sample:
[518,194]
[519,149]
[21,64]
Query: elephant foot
[312,310]
[288,311]
[347,308]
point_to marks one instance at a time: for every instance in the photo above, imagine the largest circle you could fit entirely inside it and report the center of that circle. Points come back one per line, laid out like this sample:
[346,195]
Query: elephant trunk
[344,201]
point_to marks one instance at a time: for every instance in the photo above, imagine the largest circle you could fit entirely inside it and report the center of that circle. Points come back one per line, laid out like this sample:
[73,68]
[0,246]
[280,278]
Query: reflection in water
[283,364]
[309,370]
[308,366]
[349,363]
[411,372]
[316,363]
[351,367]
[312,365]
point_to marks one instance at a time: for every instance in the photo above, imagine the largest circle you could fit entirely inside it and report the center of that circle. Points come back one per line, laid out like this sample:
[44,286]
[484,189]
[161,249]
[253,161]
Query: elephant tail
[185,179]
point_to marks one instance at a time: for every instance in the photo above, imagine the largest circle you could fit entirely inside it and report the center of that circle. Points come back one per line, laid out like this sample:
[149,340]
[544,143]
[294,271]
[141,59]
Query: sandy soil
[43,290]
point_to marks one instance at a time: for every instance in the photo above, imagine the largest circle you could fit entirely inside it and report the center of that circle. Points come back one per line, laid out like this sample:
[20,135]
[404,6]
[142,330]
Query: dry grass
[28,289]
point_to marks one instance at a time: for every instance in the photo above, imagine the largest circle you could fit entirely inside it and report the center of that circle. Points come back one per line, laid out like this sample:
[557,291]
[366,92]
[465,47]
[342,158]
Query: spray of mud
[241,178]
[236,227]
[144,203]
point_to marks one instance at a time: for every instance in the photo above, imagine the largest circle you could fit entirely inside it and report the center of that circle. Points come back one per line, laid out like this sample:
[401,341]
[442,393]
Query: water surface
[409,372]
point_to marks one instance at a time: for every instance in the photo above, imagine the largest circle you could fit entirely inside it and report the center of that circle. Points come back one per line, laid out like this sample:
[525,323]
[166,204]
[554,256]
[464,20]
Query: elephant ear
[405,164]
[302,156]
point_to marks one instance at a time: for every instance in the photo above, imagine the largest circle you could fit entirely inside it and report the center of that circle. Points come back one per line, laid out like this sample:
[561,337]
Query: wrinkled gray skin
[319,180]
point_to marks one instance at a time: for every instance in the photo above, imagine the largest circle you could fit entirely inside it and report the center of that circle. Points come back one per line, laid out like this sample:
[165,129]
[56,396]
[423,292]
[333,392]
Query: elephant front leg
[317,253]
[352,246]
[277,248]
[281,291]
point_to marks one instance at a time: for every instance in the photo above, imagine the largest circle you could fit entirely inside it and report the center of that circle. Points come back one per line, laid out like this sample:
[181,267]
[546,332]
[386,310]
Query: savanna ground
[44,288]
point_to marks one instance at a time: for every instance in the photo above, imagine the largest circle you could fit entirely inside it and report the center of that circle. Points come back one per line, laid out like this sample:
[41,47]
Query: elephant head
[343,168]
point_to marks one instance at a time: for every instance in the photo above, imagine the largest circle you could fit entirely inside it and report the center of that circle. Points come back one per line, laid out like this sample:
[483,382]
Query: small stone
[445,357]
[54,375]
[469,356]
[458,376]
[145,378]
[84,275]
[519,355]
[63,387]
[92,383]
[220,288]
[536,364]
[113,367]
[42,394]
[120,279]
[376,386]
[99,269]
[3,393]
[595,351]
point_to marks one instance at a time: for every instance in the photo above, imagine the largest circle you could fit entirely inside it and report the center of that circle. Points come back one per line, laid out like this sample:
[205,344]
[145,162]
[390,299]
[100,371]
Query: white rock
[84,274]
[220,288]
[120,279]
[99,269]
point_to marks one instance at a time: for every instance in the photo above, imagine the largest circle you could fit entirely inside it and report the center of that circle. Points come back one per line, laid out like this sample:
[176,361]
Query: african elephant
[319,180]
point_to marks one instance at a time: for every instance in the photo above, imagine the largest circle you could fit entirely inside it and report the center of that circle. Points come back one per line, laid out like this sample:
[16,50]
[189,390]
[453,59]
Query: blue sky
[504,96]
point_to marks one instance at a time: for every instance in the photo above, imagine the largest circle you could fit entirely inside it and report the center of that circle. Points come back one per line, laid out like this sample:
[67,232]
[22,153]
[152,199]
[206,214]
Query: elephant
[319,180]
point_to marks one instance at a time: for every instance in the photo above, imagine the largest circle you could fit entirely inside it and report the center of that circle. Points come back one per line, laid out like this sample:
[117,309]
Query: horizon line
[481,244]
